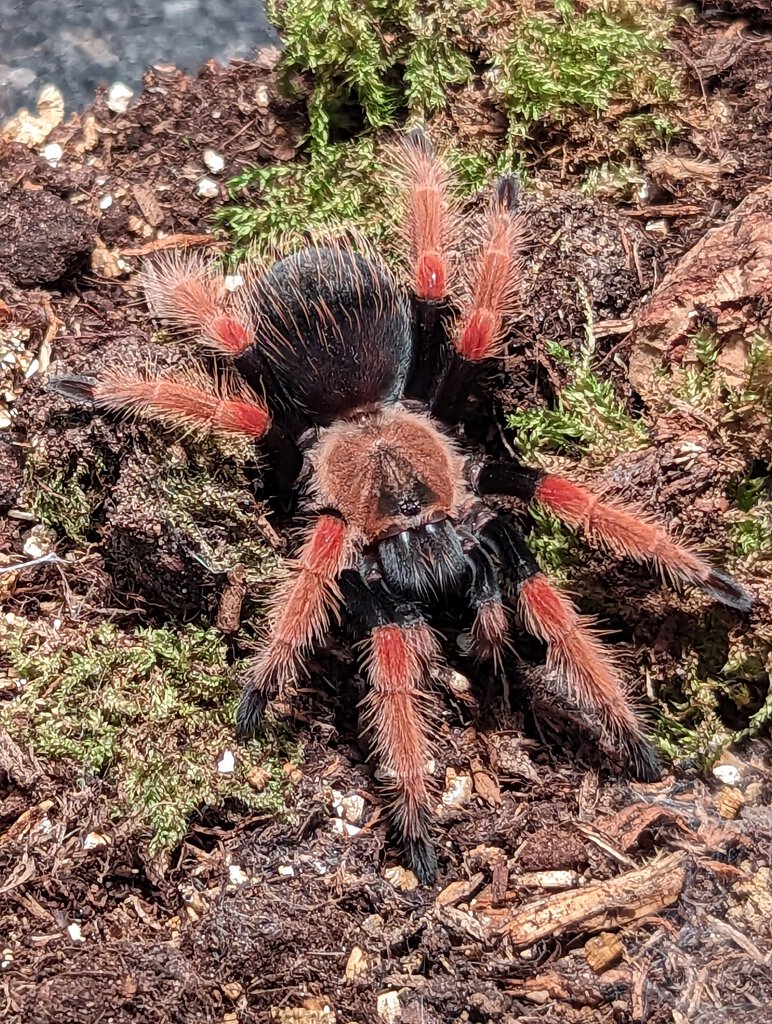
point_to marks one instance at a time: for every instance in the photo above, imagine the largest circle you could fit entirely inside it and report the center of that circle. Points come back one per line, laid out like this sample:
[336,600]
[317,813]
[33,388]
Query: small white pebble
[345,828]
[227,763]
[95,841]
[728,774]
[352,808]
[237,875]
[262,96]
[5,421]
[216,114]
[214,161]
[105,202]
[233,281]
[388,1007]
[458,789]
[32,369]
[73,930]
[207,188]
[118,97]
[658,227]
[34,548]
[53,153]
[57,626]
[286,871]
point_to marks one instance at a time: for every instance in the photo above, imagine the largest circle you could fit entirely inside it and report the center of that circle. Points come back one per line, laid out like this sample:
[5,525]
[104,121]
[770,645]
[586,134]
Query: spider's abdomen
[335,328]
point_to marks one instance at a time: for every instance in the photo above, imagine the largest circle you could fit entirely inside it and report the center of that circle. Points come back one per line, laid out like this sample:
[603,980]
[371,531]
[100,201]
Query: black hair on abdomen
[335,329]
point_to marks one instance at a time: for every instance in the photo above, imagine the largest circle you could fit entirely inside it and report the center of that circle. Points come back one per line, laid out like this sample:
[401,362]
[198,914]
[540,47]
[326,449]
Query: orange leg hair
[191,403]
[493,279]
[584,668]
[629,532]
[300,615]
[400,716]
[184,290]
[430,214]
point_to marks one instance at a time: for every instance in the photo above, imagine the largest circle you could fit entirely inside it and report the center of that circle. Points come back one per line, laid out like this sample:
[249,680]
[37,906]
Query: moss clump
[584,57]
[149,711]
[373,56]
[66,498]
[339,187]
[588,418]
[751,530]
[203,493]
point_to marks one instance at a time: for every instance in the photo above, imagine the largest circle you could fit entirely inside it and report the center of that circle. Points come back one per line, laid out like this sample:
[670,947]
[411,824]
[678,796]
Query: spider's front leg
[621,528]
[399,711]
[576,657]
[300,614]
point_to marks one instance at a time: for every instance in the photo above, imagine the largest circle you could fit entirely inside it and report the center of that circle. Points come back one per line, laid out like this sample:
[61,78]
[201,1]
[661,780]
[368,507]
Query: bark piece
[724,281]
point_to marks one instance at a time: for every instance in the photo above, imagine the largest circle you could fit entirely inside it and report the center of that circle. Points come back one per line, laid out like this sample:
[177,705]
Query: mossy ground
[142,884]
[597,77]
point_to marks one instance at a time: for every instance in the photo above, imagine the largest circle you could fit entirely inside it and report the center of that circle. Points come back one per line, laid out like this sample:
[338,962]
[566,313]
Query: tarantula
[365,377]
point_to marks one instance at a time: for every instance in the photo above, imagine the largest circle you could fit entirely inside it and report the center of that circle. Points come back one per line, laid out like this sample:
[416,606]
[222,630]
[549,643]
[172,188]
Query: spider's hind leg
[190,400]
[619,527]
[577,660]
[399,711]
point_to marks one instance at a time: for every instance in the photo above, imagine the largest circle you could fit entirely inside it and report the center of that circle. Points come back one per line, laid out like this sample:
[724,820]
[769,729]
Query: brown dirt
[257,920]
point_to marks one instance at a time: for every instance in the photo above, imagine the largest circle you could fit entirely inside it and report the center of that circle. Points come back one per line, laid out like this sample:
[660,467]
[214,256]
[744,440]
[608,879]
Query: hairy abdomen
[335,329]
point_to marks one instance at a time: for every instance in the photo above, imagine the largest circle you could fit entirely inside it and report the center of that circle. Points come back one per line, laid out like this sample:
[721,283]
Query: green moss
[584,57]
[756,394]
[375,56]
[150,712]
[339,187]
[66,498]
[588,418]
[208,498]
[751,529]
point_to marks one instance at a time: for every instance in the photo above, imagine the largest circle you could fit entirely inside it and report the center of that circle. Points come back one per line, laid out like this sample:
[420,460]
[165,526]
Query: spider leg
[189,401]
[429,214]
[299,616]
[429,226]
[399,710]
[185,290]
[620,527]
[490,295]
[490,628]
[576,656]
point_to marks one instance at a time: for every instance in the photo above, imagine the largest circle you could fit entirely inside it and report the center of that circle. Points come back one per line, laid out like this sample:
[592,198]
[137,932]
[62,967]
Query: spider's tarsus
[422,860]
[417,137]
[727,591]
[507,192]
[250,712]
[644,759]
[76,387]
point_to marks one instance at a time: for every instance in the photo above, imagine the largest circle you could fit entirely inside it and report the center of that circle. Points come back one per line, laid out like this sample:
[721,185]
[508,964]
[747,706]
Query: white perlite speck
[227,763]
[119,97]
[207,188]
[52,153]
[214,161]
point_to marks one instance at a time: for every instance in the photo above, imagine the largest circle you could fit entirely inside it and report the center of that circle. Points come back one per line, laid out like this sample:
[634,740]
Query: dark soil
[255,919]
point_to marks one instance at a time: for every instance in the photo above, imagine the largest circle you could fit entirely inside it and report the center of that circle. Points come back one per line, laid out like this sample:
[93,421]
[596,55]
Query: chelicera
[365,377]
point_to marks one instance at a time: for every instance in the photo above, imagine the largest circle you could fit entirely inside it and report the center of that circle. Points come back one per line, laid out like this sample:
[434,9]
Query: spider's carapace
[401,515]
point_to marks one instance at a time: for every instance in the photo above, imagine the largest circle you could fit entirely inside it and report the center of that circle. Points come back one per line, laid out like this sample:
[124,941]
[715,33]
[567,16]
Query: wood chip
[486,785]
[600,905]
[730,268]
[603,951]
[148,204]
[232,598]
